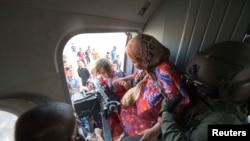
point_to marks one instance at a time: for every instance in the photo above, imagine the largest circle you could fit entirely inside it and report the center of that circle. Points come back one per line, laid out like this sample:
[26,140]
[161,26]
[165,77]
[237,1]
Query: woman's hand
[148,135]
[122,83]
[118,79]
[151,134]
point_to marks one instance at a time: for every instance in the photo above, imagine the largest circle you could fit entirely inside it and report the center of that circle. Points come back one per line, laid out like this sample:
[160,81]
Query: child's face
[104,73]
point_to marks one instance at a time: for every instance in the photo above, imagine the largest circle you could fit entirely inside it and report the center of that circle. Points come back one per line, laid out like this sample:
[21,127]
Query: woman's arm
[152,133]
[123,81]
[126,78]
[170,131]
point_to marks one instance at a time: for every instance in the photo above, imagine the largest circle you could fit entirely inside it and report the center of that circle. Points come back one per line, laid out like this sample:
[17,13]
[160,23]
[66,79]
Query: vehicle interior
[35,33]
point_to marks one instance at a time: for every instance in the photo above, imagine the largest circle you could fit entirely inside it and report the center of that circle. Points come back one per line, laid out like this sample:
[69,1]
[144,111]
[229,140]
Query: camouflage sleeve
[170,131]
[163,106]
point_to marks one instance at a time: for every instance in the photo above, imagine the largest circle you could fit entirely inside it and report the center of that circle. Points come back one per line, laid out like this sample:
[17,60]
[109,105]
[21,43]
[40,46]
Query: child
[107,74]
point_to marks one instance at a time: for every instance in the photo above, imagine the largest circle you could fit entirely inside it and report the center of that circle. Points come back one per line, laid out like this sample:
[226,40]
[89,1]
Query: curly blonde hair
[104,64]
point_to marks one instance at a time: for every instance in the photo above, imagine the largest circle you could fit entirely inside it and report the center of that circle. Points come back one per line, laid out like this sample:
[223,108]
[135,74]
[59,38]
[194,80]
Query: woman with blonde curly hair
[107,75]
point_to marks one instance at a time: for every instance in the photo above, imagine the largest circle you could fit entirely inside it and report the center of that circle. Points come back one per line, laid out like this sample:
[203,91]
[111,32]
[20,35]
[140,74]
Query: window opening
[79,56]
[85,49]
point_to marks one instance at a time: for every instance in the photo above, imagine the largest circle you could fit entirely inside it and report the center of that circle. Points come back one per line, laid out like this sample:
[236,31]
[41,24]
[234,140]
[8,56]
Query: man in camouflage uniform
[194,124]
[220,76]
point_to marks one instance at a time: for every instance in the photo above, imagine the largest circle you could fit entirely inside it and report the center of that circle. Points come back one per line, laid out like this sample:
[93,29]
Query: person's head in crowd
[146,52]
[69,72]
[93,72]
[65,58]
[80,63]
[114,67]
[53,121]
[104,68]
[66,62]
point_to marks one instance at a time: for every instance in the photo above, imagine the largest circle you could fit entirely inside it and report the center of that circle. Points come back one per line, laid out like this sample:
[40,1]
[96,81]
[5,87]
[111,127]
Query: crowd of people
[79,69]
[158,105]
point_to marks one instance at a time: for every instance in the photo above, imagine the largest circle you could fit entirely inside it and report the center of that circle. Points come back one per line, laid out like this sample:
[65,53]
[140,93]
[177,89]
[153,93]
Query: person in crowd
[157,78]
[66,62]
[113,54]
[53,121]
[83,73]
[119,72]
[87,55]
[103,67]
[67,66]
[81,56]
[114,67]
[74,51]
[108,56]
[118,62]
[94,54]
[93,74]
[74,84]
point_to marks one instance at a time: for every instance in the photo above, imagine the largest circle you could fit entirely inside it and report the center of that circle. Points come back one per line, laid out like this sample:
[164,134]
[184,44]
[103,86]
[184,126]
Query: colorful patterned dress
[144,113]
